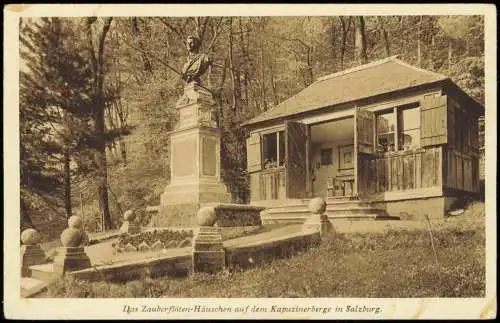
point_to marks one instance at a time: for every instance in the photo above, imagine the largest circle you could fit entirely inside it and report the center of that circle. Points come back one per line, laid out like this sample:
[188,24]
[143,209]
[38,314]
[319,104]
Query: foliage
[54,106]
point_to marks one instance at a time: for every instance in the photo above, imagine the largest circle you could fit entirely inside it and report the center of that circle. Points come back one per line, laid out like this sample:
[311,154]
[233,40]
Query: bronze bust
[197,63]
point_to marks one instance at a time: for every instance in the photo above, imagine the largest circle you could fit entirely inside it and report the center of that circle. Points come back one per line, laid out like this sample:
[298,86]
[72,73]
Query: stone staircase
[296,210]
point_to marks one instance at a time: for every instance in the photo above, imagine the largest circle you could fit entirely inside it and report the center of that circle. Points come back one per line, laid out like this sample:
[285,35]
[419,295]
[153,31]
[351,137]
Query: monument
[194,148]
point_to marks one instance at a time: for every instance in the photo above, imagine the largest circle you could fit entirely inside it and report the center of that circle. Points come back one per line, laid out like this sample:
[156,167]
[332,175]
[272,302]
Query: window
[326,156]
[386,125]
[408,128]
[273,147]
[401,124]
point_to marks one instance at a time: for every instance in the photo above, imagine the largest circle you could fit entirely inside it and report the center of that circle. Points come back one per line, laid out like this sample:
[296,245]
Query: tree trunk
[97,64]
[235,78]
[386,37]
[262,76]
[123,150]
[345,30]
[273,84]
[102,167]
[360,41]
[67,182]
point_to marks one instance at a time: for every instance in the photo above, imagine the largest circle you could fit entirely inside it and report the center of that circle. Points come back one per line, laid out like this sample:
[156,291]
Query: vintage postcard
[250,161]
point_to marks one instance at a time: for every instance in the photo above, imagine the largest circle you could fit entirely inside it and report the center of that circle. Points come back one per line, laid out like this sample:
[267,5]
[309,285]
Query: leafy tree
[54,106]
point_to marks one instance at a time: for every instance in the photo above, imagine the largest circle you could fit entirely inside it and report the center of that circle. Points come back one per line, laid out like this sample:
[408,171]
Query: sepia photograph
[287,159]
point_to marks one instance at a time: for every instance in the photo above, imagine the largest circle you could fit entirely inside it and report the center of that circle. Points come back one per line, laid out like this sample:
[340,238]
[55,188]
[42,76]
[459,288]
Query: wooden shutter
[452,110]
[365,131]
[254,158]
[434,121]
[296,145]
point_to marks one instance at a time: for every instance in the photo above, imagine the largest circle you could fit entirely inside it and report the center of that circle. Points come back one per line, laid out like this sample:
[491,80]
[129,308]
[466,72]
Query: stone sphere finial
[317,205]
[129,215]
[72,237]
[206,216]
[30,237]
[75,222]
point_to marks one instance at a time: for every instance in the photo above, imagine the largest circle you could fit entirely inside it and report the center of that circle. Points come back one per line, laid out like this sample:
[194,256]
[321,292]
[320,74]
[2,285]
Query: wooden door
[297,160]
[364,152]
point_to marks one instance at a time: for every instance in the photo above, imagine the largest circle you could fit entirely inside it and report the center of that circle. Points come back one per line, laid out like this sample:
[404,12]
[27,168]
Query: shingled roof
[361,82]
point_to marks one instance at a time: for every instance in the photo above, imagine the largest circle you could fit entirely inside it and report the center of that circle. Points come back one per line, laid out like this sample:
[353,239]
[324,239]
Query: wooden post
[81,208]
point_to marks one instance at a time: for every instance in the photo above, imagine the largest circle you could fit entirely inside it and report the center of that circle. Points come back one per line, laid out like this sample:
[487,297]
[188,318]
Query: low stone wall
[262,252]
[234,232]
[168,265]
[236,215]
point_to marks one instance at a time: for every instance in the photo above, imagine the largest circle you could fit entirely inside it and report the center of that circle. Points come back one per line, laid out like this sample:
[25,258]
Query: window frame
[327,161]
[280,162]
[397,112]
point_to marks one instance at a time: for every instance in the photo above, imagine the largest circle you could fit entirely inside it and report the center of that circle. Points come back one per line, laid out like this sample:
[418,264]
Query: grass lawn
[393,263]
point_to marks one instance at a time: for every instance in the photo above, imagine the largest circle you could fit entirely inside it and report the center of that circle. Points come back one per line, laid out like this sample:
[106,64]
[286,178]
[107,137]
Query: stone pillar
[318,221]
[130,225]
[208,250]
[31,253]
[71,256]
[194,160]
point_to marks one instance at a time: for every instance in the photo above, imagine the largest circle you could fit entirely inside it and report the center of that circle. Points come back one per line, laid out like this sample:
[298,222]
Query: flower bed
[154,240]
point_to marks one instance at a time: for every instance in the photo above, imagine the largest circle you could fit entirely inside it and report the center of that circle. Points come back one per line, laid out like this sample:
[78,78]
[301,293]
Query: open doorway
[332,158]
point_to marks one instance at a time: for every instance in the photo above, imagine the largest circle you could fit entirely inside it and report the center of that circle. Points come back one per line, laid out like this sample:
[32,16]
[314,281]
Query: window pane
[409,139]
[386,142]
[386,122]
[410,119]
[270,152]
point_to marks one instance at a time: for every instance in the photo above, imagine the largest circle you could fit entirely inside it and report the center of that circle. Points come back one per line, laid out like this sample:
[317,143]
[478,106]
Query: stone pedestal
[208,251]
[31,253]
[318,221]
[130,225]
[194,160]
[71,256]
[71,259]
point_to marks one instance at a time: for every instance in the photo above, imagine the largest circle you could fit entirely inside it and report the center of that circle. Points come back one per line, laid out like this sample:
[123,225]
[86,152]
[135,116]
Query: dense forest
[97,94]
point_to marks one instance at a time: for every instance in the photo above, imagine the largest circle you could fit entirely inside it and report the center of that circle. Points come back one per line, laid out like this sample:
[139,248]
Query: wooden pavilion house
[385,138]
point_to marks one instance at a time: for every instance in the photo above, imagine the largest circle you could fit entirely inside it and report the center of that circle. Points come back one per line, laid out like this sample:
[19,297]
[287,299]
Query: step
[301,217]
[31,286]
[329,209]
[44,272]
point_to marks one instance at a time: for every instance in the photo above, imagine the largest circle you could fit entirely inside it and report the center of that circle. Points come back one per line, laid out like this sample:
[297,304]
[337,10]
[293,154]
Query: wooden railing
[268,184]
[402,170]
[462,170]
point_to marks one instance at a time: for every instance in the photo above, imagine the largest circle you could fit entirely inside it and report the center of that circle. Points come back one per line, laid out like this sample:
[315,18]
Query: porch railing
[403,170]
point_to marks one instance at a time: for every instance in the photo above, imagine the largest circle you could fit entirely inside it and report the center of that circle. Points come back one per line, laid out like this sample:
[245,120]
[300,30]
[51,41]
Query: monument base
[180,202]
[208,252]
[71,259]
[31,255]
[130,228]
[318,222]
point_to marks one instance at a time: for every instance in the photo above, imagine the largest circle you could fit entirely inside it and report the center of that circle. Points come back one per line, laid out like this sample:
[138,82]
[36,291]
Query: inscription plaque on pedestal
[182,165]
[209,158]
